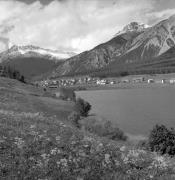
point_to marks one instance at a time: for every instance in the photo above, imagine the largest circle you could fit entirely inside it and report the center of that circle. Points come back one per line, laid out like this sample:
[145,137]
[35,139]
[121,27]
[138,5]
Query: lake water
[136,111]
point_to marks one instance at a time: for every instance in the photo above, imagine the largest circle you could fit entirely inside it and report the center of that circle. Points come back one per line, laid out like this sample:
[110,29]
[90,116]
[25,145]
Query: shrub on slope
[82,107]
[103,128]
[162,140]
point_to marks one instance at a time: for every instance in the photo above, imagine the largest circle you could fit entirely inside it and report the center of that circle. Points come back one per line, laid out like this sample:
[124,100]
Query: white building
[150,80]
[172,81]
[112,82]
[101,82]
[160,81]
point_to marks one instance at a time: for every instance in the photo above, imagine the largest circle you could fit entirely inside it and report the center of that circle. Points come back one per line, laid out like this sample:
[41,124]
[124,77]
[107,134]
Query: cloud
[158,16]
[73,25]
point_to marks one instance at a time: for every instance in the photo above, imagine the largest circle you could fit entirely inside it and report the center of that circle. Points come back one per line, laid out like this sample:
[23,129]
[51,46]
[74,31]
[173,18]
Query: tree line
[7,71]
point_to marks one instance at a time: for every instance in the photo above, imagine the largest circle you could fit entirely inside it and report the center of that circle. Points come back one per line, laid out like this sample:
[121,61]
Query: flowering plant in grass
[42,147]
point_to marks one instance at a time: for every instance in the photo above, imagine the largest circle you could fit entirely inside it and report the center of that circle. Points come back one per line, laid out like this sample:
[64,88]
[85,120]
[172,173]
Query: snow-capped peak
[133,26]
[23,50]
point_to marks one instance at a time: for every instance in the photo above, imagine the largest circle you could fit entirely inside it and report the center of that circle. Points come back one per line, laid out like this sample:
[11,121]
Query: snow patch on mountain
[46,52]
[34,52]
[133,26]
[26,50]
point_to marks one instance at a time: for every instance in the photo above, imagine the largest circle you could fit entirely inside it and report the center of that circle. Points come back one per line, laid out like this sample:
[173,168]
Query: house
[163,81]
[172,81]
[101,82]
[54,82]
[112,82]
[160,81]
[53,86]
[138,79]
[150,80]
[125,81]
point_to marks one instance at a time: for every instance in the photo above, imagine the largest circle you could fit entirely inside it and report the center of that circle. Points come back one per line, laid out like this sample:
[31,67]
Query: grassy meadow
[38,142]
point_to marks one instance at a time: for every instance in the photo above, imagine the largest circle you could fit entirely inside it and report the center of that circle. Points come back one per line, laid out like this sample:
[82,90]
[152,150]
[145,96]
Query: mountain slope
[98,57]
[31,67]
[134,45]
[33,61]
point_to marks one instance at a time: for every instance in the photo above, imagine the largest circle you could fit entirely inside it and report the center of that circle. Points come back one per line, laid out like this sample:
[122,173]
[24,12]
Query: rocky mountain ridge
[133,26]
[34,51]
[126,48]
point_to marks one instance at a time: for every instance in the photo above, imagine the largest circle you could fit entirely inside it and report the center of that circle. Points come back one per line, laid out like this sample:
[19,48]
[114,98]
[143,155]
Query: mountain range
[33,61]
[137,48]
[130,50]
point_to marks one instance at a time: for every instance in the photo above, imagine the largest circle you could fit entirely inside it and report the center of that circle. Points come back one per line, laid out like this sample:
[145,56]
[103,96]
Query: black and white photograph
[87,89]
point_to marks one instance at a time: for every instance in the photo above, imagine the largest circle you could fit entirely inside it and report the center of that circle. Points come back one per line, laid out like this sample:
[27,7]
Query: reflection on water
[134,110]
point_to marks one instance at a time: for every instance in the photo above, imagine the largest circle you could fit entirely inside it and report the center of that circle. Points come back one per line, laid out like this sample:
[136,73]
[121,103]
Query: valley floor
[129,85]
[126,86]
[37,142]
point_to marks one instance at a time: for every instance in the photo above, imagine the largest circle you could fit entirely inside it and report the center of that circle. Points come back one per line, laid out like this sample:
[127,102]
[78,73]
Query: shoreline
[116,87]
[122,86]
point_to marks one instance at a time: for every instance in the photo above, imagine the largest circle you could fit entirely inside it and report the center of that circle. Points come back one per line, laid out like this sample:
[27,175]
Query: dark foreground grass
[37,145]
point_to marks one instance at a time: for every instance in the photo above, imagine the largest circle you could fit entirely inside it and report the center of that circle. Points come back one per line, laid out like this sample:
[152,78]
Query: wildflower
[39,163]
[86,145]
[73,142]
[34,133]
[31,158]
[62,162]
[160,161]
[32,126]
[123,148]
[151,176]
[86,138]
[125,159]
[58,138]
[19,142]
[55,151]
[128,171]
[133,153]
[44,156]
[107,158]
[99,146]
[117,163]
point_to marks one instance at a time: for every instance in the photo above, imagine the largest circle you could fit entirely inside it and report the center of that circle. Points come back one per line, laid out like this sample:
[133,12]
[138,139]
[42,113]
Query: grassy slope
[20,97]
[36,142]
[32,67]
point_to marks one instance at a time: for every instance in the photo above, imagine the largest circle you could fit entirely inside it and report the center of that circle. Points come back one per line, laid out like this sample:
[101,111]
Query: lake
[135,111]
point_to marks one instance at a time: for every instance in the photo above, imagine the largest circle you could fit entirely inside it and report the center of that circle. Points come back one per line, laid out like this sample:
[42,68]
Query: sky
[74,25]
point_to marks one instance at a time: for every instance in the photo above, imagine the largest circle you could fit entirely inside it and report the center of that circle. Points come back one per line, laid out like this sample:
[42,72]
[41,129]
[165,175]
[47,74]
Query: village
[91,81]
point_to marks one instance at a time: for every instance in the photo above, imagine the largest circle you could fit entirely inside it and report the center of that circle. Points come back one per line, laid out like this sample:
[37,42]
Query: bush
[162,140]
[67,94]
[113,132]
[103,129]
[82,107]
[74,118]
